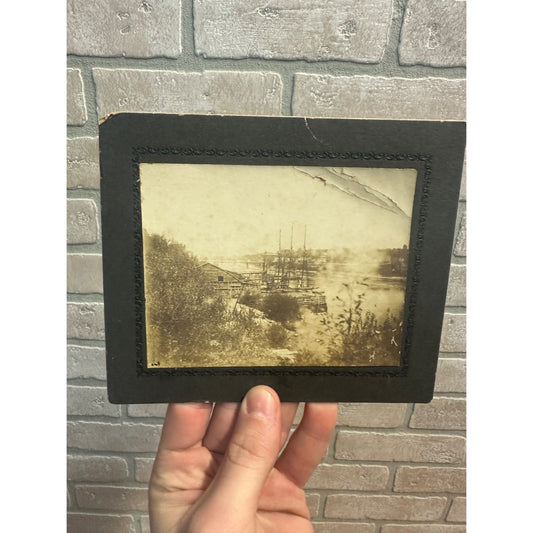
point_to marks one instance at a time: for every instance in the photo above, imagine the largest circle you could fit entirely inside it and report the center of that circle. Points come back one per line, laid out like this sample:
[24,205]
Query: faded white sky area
[232,210]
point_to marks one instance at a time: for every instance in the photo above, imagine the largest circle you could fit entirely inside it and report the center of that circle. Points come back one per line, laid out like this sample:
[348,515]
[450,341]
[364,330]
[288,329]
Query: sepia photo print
[274,265]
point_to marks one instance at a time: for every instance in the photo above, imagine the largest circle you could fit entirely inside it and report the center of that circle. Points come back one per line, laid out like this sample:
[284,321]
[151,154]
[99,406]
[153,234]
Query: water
[343,282]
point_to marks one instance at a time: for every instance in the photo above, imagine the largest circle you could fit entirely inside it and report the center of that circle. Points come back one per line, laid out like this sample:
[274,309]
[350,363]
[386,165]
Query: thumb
[251,454]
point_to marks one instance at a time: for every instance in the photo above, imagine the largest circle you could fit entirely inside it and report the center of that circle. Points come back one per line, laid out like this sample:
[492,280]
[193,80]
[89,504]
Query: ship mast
[291,258]
[304,260]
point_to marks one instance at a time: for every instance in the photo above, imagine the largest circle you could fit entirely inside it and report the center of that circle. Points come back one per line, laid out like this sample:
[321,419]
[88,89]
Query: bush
[277,336]
[362,338]
[251,300]
[281,308]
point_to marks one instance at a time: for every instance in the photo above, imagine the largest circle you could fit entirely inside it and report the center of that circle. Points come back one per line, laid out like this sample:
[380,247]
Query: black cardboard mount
[434,149]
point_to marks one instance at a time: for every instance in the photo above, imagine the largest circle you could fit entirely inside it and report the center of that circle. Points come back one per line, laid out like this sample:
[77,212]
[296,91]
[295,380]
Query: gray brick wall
[76,109]
[349,30]
[391,468]
[110,28]
[378,97]
[433,33]
[165,91]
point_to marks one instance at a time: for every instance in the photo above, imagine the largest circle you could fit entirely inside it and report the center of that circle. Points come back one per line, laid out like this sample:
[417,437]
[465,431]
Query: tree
[182,309]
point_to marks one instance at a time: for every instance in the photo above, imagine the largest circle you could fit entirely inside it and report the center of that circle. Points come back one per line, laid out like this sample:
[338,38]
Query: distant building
[396,263]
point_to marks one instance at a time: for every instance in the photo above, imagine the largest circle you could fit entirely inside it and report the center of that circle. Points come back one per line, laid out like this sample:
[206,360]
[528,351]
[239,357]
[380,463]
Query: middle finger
[288,412]
[221,426]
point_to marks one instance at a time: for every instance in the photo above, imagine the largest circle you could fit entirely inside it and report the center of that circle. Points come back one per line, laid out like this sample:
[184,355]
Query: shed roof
[233,275]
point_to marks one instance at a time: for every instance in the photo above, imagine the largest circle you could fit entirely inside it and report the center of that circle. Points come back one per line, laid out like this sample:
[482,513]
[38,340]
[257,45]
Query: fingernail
[260,402]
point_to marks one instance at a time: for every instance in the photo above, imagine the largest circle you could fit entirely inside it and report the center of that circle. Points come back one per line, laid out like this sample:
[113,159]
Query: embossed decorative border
[413,269]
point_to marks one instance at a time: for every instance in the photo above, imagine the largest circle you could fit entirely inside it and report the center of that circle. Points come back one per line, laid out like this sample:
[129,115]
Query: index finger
[185,425]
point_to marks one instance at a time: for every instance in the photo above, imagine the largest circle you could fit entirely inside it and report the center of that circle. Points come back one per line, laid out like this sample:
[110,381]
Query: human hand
[219,470]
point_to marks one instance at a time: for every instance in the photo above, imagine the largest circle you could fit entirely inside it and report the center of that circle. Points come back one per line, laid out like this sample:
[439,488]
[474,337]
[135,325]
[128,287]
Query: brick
[381,507]
[422,528]
[161,91]
[462,192]
[113,437]
[99,523]
[456,294]
[86,362]
[128,28]
[76,109]
[317,95]
[85,321]
[349,477]
[440,413]
[145,524]
[82,223]
[313,504]
[84,274]
[96,468]
[315,30]
[433,33]
[377,415]
[457,512]
[343,527]
[418,448]
[90,401]
[453,337]
[148,410]
[451,375]
[460,243]
[83,166]
[112,498]
[430,479]
[143,469]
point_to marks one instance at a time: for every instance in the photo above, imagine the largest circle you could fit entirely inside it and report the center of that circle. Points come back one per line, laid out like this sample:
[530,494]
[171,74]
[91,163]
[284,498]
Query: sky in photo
[233,210]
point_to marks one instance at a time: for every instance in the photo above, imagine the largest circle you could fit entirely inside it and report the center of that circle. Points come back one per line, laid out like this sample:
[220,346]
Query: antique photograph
[268,266]
[311,255]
